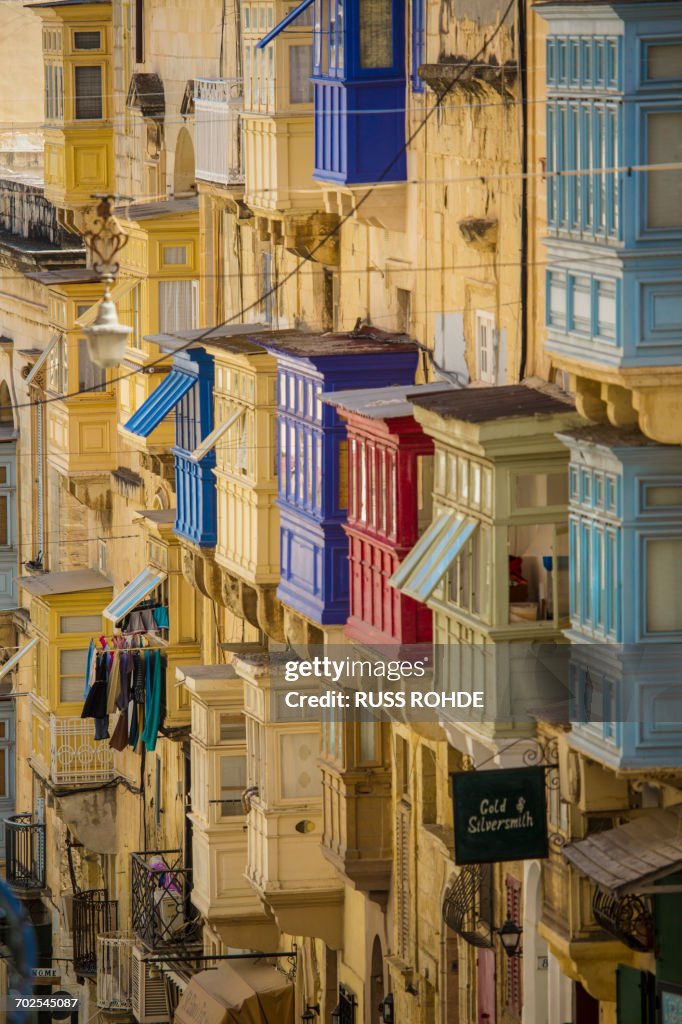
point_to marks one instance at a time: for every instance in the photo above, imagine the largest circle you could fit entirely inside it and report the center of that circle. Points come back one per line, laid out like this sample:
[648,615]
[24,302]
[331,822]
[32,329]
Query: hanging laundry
[89,668]
[153,708]
[96,701]
[161,617]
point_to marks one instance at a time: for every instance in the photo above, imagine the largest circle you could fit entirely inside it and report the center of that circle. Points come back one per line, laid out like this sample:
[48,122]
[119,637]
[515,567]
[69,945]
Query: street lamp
[311,1012]
[106,337]
[510,937]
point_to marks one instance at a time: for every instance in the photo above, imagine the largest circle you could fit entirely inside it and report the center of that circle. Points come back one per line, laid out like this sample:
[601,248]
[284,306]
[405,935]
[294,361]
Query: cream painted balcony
[81,411]
[246,480]
[221,893]
[64,750]
[358,820]
[286,865]
[218,103]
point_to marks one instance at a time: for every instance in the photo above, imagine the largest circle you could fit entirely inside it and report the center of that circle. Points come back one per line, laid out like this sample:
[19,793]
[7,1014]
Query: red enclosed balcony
[390,482]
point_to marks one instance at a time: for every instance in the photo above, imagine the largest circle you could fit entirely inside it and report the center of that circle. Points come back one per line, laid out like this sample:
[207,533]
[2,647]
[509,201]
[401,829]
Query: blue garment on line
[88,666]
[153,706]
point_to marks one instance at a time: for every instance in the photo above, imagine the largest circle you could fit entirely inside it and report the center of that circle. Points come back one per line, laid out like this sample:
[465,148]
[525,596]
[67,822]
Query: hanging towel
[89,668]
[119,739]
[161,617]
[153,708]
[114,686]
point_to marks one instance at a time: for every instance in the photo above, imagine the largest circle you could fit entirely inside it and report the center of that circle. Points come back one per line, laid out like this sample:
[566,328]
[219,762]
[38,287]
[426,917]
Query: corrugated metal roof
[625,858]
[71,582]
[239,338]
[72,275]
[160,403]
[484,405]
[147,94]
[380,403]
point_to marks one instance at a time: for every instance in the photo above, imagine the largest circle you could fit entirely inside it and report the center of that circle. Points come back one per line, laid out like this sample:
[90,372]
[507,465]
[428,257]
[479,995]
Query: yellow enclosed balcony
[79,145]
[81,420]
[221,893]
[161,263]
[286,865]
[66,613]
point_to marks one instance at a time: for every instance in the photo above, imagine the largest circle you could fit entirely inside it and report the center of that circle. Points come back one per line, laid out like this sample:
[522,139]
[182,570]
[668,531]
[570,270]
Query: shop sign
[500,815]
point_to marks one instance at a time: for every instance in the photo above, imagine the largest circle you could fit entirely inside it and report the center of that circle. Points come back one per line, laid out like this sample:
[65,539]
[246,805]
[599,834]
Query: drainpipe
[521,27]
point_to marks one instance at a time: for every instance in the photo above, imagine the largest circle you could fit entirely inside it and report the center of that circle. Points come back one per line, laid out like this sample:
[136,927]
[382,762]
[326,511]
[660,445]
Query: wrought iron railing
[468,905]
[115,971]
[628,918]
[25,852]
[346,1007]
[75,758]
[162,914]
[93,914]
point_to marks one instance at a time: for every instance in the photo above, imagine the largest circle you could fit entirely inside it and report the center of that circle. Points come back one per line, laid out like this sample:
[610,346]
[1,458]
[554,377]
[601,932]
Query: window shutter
[513,963]
[4,520]
[300,70]
[402,834]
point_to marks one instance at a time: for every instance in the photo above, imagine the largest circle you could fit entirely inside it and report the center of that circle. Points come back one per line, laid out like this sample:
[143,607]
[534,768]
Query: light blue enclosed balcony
[614,241]
[625,542]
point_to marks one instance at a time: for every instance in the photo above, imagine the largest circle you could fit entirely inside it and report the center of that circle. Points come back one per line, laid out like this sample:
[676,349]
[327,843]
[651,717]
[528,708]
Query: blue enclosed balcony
[359,88]
[625,534]
[614,276]
[187,391]
[313,457]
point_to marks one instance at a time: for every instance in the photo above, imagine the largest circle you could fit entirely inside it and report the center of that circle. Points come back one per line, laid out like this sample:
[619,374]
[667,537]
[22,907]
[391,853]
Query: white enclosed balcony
[217,106]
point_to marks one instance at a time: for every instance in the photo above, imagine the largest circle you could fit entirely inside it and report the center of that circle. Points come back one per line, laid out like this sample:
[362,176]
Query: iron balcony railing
[93,914]
[25,852]
[162,914]
[628,918]
[468,905]
[115,971]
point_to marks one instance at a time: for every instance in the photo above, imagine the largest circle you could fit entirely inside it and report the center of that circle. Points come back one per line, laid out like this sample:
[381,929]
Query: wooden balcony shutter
[402,834]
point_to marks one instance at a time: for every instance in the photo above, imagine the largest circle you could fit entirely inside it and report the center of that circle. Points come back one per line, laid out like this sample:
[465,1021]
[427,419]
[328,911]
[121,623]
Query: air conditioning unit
[148,991]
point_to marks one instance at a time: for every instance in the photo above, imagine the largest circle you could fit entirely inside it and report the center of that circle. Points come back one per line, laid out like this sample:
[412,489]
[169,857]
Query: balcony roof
[160,516]
[380,403]
[146,92]
[68,3]
[485,405]
[603,435]
[626,858]
[237,338]
[160,208]
[71,275]
[75,581]
[365,341]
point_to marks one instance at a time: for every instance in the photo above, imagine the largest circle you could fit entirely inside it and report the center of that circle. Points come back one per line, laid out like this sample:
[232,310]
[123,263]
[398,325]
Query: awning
[42,358]
[135,592]
[625,859]
[237,992]
[433,554]
[17,656]
[162,401]
[117,293]
[284,23]
[212,439]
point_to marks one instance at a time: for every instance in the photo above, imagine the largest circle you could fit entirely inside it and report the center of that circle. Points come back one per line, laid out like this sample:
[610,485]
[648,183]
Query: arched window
[6,416]
[184,179]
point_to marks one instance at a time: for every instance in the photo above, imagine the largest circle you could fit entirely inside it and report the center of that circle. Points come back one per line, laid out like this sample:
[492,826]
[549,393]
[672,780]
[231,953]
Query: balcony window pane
[664,189]
[664,585]
[300,70]
[71,675]
[376,33]
[424,492]
[80,623]
[4,520]
[368,741]
[232,785]
[176,306]
[88,89]
[86,40]
[664,62]
[90,376]
[232,728]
